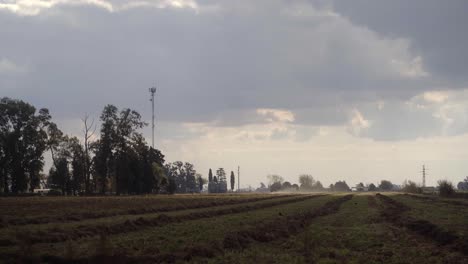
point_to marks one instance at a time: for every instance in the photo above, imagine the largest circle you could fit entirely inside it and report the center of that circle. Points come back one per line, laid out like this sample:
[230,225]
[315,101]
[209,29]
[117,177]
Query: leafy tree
[160,176]
[411,187]
[210,176]
[295,187]
[59,175]
[446,188]
[200,182]
[22,144]
[78,175]
[190,175]
[184,175]
[341,186]
[233,180]
[286,185]
[360,187]
[463,185]
[105,146]
[318,186]
[306,182]
[171,186]
[386,185]
[273,178]
[221,174]
[125,131]
[275,187]
[221,183]
[122,157]
[372,187]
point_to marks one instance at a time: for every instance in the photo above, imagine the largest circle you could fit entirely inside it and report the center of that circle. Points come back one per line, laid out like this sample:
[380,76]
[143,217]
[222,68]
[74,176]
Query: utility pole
[424,176]
[152,90]
[238,178]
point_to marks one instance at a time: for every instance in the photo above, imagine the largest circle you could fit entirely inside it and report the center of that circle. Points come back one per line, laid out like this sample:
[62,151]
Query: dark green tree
[200,182]
[341,186]
[78,175]
[275,187]
[386,185]
[171,186]
[445,188]
[59,176]
[233,181]
[22,144]
[190,176]
[372,187]
[210,176]
[318,187]
[105,147]
[306,182]
[286,185]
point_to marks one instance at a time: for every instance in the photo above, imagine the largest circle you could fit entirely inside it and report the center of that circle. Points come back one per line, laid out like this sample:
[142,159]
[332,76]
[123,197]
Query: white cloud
[35,7]
[276,115]
[411,67]
[357,124]
[436,96]
[7,66]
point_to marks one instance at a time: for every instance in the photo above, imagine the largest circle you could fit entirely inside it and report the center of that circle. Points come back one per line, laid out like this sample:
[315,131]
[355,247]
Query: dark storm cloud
[437,29]
[220,64]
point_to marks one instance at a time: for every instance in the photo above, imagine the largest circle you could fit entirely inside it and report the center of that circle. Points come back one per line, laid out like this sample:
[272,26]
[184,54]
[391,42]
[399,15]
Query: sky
[358,90]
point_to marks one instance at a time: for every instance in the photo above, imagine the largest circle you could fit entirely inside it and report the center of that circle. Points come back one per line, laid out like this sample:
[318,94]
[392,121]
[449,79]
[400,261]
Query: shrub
[386,185]
[446,188]
[411,187]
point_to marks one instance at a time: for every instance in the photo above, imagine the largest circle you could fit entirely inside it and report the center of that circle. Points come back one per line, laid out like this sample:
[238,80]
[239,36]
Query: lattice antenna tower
[152,91]
[424,176]
[238,178]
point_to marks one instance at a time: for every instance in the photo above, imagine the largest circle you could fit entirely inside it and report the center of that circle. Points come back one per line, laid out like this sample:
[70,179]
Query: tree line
[112,159]
[307,183]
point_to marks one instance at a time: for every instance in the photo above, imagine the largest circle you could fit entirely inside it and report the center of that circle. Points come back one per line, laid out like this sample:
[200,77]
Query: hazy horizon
[358,91]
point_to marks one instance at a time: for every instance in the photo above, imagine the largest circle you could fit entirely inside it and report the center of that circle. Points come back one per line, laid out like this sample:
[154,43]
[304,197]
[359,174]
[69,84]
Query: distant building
[41,191]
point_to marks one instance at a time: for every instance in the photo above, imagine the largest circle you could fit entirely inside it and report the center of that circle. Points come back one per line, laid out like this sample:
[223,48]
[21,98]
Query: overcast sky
[344,90]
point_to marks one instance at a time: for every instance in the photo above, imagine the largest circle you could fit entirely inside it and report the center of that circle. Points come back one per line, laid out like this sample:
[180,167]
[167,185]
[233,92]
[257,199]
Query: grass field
[253,228]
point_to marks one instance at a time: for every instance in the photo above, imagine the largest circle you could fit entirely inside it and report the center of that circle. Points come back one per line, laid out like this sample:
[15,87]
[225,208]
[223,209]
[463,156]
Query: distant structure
[238,178]
[152,91]
[424,176]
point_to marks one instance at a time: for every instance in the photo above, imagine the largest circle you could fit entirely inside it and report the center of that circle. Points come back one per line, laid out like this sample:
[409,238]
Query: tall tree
[210,176]
[306,182]
[233,180]
[104,149]
[273,178]
[22,144]
[386,185]
[59,175]
[184,176]
[89,129]
[78,159]
[341,186]
[222,183]
[200,182]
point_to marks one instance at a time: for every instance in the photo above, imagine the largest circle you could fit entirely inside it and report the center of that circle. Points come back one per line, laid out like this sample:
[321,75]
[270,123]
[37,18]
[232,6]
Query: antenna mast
[152,91]
[238,178]
[424,176]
